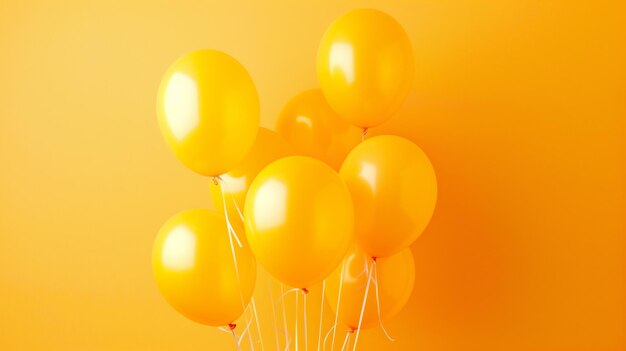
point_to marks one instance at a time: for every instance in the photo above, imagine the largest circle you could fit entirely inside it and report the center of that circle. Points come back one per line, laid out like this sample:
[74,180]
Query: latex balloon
[365,66]
[315,130]
[395,276]
[299,220]
[194,269]
[394,189]
[208,111]
[268,147]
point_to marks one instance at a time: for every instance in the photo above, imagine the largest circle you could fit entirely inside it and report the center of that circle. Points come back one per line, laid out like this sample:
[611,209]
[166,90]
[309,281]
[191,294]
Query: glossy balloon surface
[365,66]
[394,189]
[193,266]
[299,219]
[314,129]
[267,148]
[208,111]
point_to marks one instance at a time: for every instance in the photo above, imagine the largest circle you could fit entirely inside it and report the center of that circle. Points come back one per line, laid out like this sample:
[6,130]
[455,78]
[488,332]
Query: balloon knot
[216,180]
[305,291]
[352,330]
[374,258]
[363,133]
[232,326]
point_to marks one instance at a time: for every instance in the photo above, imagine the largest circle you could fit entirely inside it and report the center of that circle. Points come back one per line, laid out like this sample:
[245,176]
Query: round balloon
[194,268]
[208,111]
[267,148]
[365,66]
[394,189]
[315,130]
[299,220]
[395,276]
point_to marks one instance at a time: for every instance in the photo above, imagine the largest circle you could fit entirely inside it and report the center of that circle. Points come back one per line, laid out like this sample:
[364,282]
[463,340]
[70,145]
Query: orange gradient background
[520,105]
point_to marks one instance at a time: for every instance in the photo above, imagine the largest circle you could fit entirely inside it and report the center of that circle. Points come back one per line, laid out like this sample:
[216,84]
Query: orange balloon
[194,269]
[394,189]
[299,220]
[267,148]
[315,130]
[208,111]
[365,66]
[395,276]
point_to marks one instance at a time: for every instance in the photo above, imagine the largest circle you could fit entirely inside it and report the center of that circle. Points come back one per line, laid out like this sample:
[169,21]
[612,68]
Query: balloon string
[326,337]
[224,329]
[250,341]
[258,326]
[234,233]
[245,330]
[231,230]
[231,235]
[286,293]
[367,289]
[282,331]
[236,339]
[380,320]
[231,330]
[296,331]
[319,333]
[345,341]
[232,250]
[365,270]
[343,268]
[248,321]
[237,207]
[287,338]
[306,329]
[269,285]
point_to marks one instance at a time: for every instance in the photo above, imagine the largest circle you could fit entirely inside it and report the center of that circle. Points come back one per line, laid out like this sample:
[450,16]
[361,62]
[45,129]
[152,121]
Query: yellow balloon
[394,189]
[365,66]
[299,220]
[395,276]
[268,147]
[208,111]
[194,269]
[315,130]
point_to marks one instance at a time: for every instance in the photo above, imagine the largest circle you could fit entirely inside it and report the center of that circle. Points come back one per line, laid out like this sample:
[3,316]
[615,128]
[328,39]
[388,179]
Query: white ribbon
[367,289]
[343,268]
[319,333]
[345,341]
[380,321]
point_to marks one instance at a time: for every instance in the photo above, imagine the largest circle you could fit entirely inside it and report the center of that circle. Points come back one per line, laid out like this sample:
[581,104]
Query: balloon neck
[364,133]
[216,180]
[352,330]
[305,291]
[374,258]
[232,326]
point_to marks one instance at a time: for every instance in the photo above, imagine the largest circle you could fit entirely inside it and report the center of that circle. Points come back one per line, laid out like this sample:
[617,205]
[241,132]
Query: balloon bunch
[318,202]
